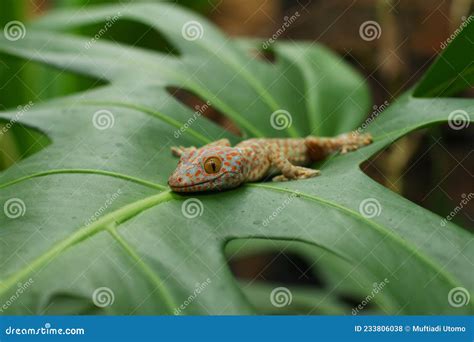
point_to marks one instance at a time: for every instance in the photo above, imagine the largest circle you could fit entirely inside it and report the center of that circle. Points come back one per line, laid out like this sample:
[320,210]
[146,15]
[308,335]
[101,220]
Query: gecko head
[207,169]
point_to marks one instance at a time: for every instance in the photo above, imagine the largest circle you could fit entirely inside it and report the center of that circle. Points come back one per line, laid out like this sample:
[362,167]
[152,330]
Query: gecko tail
[320,147]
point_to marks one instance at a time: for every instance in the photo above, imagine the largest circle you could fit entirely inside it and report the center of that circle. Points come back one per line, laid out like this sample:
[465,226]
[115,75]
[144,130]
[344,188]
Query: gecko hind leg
[298,172]
[288,170]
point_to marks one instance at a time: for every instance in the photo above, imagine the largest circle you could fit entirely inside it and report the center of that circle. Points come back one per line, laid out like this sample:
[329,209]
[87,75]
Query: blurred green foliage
[23,81]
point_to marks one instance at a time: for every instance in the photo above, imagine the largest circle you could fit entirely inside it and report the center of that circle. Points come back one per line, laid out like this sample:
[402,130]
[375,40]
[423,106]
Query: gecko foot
[299,172]
[355,141]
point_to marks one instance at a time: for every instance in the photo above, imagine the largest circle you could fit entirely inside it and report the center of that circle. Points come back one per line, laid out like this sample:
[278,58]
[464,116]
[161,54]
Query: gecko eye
[212,165]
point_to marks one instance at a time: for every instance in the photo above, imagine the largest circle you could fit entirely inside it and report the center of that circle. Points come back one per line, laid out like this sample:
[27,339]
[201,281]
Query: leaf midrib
[110,221]
[87,171]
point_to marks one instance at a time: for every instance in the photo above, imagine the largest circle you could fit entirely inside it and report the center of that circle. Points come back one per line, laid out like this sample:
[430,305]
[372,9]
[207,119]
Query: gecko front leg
[178,151]
[288,170]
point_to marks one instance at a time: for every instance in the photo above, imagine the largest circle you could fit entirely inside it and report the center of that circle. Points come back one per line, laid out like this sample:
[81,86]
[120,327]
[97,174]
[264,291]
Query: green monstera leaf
[89,225]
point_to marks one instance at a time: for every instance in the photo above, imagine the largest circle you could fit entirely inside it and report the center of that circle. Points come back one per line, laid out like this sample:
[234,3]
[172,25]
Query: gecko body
[218,166]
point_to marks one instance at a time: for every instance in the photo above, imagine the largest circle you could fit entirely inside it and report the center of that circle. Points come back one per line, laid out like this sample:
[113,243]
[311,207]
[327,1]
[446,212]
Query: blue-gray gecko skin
[218,166]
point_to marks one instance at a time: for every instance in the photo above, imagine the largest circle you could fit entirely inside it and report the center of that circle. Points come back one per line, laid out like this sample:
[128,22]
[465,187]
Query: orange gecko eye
[212,165]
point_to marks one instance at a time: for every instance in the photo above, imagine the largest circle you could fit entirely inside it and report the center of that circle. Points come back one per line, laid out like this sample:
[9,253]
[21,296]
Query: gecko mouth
[200,183]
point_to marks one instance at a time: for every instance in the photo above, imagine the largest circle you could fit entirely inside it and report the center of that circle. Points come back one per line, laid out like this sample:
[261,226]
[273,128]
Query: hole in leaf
[18,142]
[432,168]
[256,259]
[466,93]
[61,303]
[22,81]
[198,105]
[353,301]
[128,32]
[314,277]
[266,55]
